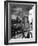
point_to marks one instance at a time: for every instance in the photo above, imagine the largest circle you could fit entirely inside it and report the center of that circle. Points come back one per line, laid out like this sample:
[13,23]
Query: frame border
[6,34]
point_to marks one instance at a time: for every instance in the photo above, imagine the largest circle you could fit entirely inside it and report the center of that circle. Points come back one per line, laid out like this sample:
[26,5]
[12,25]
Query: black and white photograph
[20,22]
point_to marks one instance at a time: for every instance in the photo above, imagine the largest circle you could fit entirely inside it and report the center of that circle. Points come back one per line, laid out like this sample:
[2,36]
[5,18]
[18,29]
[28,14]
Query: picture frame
[6,23]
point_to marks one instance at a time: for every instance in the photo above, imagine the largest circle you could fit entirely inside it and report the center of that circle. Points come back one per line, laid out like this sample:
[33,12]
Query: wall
[37,22]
